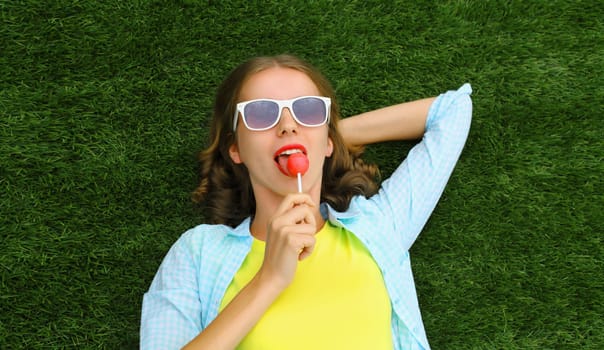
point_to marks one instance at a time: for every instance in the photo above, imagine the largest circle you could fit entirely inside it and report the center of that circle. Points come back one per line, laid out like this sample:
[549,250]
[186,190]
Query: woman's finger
[297,215]
[293,200]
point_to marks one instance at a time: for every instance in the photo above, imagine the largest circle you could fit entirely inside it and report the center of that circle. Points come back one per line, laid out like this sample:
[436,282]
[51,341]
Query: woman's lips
[283,153]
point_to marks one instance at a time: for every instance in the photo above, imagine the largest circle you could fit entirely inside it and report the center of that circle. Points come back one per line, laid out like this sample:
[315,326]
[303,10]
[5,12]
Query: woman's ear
[234,153]
[329,149]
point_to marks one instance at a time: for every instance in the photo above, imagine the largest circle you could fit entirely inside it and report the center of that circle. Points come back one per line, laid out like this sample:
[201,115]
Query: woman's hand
[290,238]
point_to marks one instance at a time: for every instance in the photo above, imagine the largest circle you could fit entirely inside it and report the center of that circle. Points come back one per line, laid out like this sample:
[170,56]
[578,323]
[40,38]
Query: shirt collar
[243,229]
[335,216]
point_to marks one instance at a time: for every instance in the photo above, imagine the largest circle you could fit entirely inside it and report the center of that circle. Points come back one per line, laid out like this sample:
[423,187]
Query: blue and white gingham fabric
[187,290]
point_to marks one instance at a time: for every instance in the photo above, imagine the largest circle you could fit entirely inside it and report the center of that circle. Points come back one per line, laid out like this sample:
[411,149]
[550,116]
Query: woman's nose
[287,123]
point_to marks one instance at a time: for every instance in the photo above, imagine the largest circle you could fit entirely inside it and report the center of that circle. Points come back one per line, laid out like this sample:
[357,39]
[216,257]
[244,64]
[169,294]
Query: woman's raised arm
[404,121]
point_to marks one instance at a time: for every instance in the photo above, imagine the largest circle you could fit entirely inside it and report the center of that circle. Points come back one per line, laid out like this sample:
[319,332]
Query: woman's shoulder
[212,236]
[206,231]
[209,232]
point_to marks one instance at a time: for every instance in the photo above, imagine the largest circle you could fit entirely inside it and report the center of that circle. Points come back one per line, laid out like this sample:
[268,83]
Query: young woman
[327,268]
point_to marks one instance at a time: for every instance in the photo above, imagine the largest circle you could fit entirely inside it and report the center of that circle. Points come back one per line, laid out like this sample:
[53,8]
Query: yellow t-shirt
[337,299]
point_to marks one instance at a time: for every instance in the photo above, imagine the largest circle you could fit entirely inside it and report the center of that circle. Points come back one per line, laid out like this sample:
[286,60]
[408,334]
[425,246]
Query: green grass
[103,106]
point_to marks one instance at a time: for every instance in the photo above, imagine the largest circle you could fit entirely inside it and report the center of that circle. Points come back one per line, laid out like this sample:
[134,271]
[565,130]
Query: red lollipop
[297,165]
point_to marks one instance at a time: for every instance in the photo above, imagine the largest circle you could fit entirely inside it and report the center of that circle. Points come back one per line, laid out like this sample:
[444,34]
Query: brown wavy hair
[225,190]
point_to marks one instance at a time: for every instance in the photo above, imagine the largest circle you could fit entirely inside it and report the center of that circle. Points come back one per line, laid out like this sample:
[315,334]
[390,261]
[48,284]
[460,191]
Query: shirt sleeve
[410,195]
[171,312]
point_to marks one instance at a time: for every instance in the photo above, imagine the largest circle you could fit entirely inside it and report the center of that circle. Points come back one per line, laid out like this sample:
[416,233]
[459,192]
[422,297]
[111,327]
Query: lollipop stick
[297,164]
[299,183]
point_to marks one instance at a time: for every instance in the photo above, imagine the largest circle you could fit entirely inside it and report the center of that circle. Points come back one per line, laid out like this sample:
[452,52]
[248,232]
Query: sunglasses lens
[310,111]
[260,114]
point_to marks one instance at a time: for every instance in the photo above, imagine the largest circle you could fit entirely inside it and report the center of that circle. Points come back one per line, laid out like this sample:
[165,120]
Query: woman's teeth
[290,152]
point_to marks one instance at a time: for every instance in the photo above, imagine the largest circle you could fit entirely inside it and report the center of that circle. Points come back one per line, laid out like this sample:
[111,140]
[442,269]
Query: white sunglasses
[263,114]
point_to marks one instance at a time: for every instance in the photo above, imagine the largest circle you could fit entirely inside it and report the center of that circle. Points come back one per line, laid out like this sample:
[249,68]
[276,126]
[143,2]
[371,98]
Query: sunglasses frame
[282,104]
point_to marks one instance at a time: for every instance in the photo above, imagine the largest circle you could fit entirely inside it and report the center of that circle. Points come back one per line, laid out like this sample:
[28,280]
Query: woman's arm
[405,121]
[172,310]
[238,318]
[411,192]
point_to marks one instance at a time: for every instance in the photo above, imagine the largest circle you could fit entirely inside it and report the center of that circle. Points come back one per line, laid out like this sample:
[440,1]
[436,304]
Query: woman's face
[259,150]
